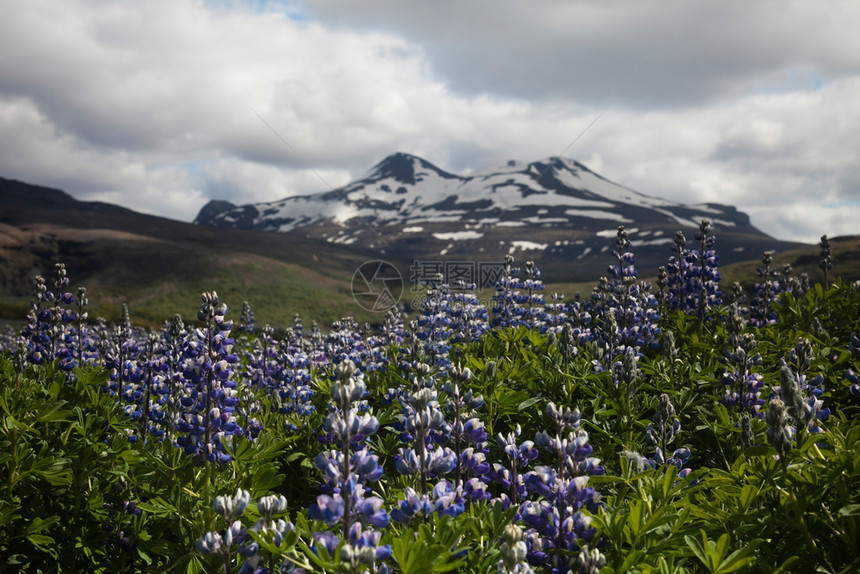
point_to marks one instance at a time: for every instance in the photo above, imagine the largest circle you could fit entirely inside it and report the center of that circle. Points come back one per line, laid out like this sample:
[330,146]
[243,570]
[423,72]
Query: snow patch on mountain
[526,246]
[458,235]
[546,197]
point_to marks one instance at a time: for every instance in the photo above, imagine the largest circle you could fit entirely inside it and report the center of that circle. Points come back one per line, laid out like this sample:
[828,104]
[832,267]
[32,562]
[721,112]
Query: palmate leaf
[419,552]
[713,554]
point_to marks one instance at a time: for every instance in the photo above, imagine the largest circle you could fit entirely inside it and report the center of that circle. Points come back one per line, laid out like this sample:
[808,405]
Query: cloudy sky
[162,105]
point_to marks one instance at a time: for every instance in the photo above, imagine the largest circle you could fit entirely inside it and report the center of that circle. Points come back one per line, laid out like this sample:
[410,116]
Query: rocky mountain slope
[555,211]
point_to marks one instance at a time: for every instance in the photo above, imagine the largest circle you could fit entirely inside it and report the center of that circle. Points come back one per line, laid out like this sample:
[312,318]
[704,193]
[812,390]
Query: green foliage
[71,479]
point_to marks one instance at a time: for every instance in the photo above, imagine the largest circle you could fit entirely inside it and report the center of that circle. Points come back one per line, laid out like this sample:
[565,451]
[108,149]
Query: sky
[162,105]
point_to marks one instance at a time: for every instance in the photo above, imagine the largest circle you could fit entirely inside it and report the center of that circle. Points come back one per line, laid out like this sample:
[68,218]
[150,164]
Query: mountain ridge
[558,181]
[160,266]
[566,212]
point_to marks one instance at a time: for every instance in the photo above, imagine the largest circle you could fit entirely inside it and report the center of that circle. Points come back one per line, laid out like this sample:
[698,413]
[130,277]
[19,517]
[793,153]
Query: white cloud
[154,105]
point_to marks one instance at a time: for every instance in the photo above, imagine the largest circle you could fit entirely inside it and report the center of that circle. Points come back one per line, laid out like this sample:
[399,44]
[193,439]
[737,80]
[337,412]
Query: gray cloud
[154,105]
[619,52]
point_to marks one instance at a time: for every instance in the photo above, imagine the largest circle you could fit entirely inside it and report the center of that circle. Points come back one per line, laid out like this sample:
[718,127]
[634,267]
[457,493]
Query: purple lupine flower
[345,471]
[246,319]
[663,435]
[519,456]
[765,293]
[854,379]
[800,396]
[362,548]
[327,540]
[505,299]
[214,543]
[627,310]
[447,500]
[412,505]
[691,277]
[743,387]
[461,406]
[209,392]
[466,313]
[328,509]
[434,323]
[562,491]
[826,261]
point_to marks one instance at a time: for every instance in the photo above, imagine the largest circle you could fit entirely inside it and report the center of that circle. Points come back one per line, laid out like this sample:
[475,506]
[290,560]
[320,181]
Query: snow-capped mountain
[554,210]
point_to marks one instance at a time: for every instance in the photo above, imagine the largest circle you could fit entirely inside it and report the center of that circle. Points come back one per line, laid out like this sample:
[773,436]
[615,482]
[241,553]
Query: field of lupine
[679,427]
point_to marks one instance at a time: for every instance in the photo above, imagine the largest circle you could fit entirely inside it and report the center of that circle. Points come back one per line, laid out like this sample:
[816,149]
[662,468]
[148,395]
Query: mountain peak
[405,168]
[212,210]
[565,210]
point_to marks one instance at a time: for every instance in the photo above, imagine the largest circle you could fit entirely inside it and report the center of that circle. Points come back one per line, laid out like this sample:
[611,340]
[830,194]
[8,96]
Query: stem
[119,372]
[295,391]
[663,437]
[80,340]
[146,396]
[421,461]
[559,499]
[457,436]
[208,432]
[514,481]
[13,468]
[347,515]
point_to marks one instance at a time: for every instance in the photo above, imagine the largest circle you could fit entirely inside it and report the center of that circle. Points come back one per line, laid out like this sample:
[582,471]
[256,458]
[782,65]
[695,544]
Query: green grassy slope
[159,277]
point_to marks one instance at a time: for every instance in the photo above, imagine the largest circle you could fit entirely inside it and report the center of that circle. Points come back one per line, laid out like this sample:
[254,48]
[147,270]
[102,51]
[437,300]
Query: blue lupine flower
[691,276]
[447,500]
[505,299]
[563,492]
[826,261]
[328,509]
[468,318]
[362,548]
[743,386]
[435,463]
[411,505]
[327,540]
[854,379]
[231,507]
[765,293]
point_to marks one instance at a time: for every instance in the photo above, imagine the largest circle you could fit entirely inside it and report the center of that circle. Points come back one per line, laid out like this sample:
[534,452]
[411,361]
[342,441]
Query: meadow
[677,426]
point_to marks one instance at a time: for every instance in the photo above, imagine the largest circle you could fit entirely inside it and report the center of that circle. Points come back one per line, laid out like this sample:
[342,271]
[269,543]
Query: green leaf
[719,549]
[697,548]
[737,559]
[850,510]
[54,415]
[526,404]
[157,508]
[40,540]
[748,493]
